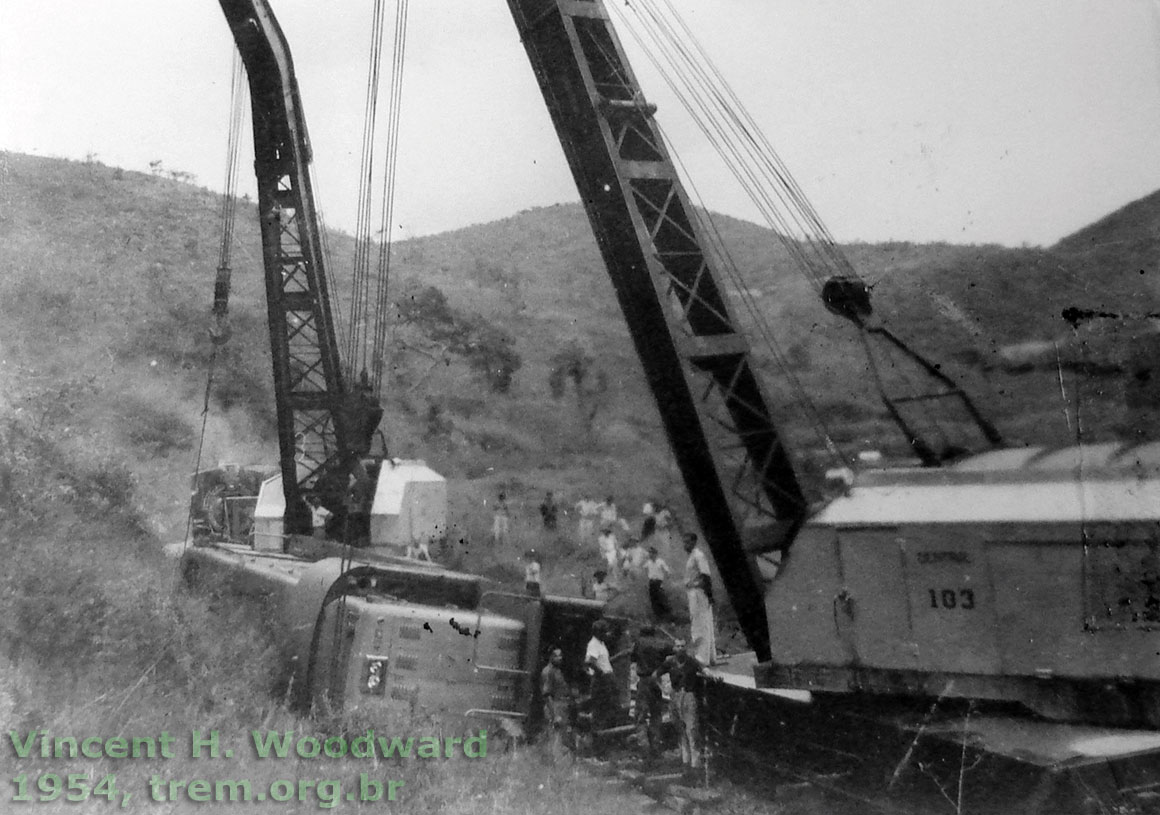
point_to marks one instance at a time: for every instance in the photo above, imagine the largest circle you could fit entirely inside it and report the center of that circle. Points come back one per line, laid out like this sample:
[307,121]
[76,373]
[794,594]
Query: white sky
[1014,121]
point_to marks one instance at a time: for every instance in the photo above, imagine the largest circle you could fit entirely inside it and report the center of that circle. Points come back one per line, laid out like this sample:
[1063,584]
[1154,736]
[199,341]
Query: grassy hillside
[107,279]
[105,286]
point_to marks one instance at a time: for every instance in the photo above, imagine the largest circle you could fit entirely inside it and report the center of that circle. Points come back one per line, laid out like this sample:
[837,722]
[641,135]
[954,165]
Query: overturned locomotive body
[391,637]
[1028,575]
[366,629]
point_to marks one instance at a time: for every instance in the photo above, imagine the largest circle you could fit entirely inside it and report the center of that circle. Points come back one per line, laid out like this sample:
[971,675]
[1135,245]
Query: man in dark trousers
[657,570]
[598,664]
[649,651]
[549,512]
[557,696]
[685,672]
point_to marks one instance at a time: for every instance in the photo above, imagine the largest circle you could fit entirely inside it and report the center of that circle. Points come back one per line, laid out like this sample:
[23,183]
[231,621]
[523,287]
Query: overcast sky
[1013,121]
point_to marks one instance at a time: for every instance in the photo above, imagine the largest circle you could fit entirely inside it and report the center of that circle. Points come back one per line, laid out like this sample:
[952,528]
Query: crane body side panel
[1062,615]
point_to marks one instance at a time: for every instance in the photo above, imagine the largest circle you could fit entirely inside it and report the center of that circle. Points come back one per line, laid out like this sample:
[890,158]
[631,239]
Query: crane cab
[1024,575]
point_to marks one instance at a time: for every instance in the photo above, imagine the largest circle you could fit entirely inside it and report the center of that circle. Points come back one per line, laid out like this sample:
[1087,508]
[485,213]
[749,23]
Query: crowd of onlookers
[627,552]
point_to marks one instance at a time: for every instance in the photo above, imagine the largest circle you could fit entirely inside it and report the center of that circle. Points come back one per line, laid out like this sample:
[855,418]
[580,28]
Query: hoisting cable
[718,245]
[731,131]
[724,121]
[359,356]
[219,329]
[386,231]
[764,484]
[360,290]
[701,214]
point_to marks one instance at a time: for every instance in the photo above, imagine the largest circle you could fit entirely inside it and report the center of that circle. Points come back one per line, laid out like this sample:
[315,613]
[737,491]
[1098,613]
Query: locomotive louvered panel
[405,693]
[406,662]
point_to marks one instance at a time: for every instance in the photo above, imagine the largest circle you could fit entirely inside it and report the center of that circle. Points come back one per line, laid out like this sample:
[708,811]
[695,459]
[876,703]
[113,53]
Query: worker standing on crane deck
[698,585]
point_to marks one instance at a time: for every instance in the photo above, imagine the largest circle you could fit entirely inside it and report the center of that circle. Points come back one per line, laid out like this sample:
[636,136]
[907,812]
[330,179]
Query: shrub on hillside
[574,365]
[487,349]
[87,604]
[157,430]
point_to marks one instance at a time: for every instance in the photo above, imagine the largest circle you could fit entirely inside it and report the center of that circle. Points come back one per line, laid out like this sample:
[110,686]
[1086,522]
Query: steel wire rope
[802,395]
[729,151]
[360,279]
[227,221]
[697,96]
[708,306]
[360,286]
[825,241]
[387,207]
[745,124]
[744,128]
[229,196]
[718,244]
[756,171]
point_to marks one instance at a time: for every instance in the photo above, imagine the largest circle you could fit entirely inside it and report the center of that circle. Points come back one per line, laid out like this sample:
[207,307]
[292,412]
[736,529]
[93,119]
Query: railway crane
[1017,575]
[1023,575]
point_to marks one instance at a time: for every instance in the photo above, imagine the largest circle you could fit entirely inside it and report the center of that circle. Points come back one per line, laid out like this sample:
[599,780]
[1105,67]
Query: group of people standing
[668,676]
[601,521]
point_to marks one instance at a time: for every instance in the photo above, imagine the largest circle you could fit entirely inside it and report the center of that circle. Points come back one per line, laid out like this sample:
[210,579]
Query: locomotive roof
[1097,482]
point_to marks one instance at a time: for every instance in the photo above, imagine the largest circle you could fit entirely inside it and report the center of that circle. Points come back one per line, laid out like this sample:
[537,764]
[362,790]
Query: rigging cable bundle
[731,130]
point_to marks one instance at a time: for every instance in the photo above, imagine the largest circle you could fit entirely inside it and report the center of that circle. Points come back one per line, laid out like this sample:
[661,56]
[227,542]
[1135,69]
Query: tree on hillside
[574,365]
[487,349]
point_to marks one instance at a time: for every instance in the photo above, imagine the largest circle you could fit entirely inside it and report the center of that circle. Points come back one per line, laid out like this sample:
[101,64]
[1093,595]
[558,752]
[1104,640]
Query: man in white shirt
[319,515]
[609,548]
[702,632]
[501,521]
[602,590]
[657,570]
[598,664]
[588,510]
[532,569]
[633,558]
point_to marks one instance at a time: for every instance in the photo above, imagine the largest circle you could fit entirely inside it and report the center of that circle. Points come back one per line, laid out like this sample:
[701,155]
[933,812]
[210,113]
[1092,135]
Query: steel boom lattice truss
[321,427]
[696,363]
